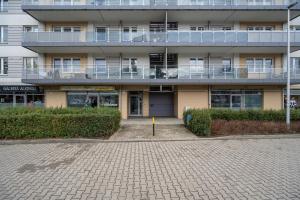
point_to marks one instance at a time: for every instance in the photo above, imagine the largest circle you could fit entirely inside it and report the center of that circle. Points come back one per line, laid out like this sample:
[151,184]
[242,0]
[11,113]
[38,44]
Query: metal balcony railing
[230,3]
[143,35]
[106,72]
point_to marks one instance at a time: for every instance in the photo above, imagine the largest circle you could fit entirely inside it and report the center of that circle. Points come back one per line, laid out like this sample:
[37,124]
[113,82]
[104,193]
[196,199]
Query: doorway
[20,99]
[236,102]
[136,104]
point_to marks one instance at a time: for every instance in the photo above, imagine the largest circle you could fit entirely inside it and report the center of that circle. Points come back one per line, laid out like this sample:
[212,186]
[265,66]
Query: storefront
[237,99]
[14,95]
[93,99]
[295,98]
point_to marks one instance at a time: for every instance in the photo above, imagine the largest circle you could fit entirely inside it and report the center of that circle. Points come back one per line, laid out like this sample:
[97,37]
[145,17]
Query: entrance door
[92,100]
[136,104]
[236,101]
[161,104]
[19,100]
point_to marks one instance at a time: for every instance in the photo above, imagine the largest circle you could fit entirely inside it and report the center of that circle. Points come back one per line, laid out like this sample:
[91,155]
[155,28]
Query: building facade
[13,57]
[158,58]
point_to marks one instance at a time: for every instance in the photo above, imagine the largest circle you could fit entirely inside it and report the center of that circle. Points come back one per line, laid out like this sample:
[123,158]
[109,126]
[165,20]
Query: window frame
[3,66]
[104,69]
[3,34]
[33,63]
[198,67]
[71,68]
[256,69]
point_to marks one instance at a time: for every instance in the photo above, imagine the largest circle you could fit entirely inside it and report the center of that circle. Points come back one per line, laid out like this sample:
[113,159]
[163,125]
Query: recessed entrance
[136,104]
[161,104]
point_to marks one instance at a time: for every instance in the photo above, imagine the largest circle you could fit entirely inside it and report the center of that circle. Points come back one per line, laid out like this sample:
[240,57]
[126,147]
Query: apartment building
[156,57]
[13,22]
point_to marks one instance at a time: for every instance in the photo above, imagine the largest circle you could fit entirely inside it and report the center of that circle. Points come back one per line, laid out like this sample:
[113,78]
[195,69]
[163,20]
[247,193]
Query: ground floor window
[236,99]
[93,99]
[17,99]
[294,100]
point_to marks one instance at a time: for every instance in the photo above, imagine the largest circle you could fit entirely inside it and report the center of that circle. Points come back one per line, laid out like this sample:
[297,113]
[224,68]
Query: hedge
[195,122]
[16,123]
[198,122]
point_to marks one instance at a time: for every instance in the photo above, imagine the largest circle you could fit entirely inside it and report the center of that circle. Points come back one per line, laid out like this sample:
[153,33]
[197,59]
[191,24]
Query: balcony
[225,3]
[184,74]
[90,42]
[88,10]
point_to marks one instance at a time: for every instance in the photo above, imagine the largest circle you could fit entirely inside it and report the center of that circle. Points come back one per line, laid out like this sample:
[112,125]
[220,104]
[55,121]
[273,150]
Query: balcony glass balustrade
[194,72]
[161,2]
[144,36]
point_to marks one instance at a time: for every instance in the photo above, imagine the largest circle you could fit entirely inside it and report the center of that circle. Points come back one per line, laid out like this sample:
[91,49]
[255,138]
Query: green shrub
[198,122]
[201,118]
[62,122]
[260,115]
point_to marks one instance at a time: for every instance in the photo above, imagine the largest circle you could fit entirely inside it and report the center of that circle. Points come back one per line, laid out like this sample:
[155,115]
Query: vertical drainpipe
[121,60]
[208,64]
[209,96]
[121,27]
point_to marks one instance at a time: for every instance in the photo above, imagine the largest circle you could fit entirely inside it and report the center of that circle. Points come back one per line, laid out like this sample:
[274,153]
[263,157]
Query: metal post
[288,108]
[288,82]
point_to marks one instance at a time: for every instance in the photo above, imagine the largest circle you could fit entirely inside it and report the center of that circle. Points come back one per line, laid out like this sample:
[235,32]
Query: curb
[84,140]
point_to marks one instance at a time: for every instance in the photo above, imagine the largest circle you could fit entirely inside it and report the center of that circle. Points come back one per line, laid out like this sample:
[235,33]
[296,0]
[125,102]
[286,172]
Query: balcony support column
[166,61]
[121,60]
[166,26]
[208,65]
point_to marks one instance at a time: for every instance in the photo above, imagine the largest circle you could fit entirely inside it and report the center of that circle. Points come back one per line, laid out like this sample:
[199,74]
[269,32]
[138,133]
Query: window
[3,66]
[129,65]
[129,33]
[30,28]
[260,28]
[226,63]
[197,28]
[66,2]
[226,28]
[256,65]
[101,33]
[197,65]
[83,99]
[236,99]
[66,29]
[295,65]
[3,34]
[100,65]
[3,5]
[67,65]
[30,63]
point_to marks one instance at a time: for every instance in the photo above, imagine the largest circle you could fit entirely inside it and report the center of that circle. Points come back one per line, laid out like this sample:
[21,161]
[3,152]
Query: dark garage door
[161,104]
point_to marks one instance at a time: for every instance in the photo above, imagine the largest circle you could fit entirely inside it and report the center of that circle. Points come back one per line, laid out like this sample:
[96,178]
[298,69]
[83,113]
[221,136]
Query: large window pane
[220,101]
[253,101]
[77,100]
[108,99]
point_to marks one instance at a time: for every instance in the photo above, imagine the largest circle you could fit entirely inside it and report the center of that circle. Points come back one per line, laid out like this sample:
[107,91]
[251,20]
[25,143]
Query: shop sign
[87,88]
[18,88]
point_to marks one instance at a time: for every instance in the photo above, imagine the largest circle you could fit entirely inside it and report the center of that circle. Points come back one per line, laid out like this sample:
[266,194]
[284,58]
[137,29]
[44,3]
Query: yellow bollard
[153,125]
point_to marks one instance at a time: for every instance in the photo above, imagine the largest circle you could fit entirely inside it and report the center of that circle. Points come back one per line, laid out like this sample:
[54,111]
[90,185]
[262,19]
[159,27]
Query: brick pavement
[206,169]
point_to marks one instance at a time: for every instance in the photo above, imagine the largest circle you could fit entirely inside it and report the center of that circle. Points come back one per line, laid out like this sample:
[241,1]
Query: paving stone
[206,169]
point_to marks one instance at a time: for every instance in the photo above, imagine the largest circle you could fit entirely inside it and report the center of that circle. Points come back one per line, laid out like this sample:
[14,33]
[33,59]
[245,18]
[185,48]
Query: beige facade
[185,97]
[191,97]
[55,99]
[272,100]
